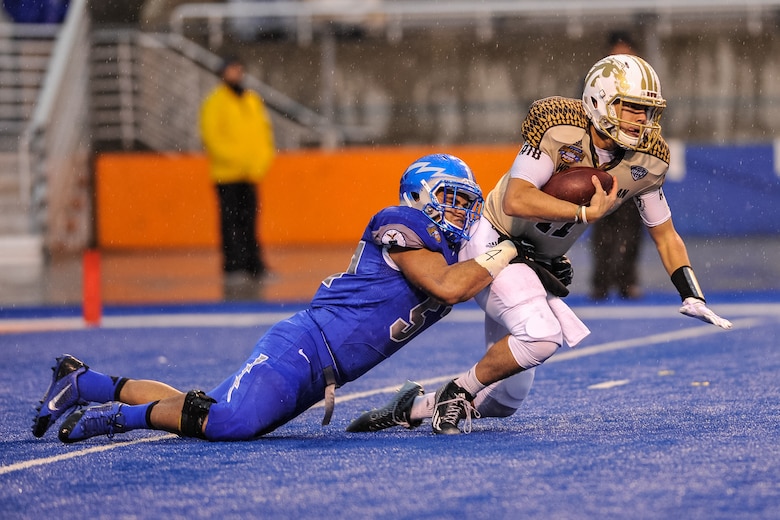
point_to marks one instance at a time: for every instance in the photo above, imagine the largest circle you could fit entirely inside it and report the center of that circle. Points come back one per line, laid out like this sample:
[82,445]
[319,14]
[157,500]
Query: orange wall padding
[147,200]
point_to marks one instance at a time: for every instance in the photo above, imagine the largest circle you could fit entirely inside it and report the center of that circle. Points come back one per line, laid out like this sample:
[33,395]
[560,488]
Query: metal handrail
[42,154]
[414,12]
[455,8]
[272,97]
[292,119]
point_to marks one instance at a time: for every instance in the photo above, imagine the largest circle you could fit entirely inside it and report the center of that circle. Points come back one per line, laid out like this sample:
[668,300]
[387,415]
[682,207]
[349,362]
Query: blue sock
[99,388]
[137,416]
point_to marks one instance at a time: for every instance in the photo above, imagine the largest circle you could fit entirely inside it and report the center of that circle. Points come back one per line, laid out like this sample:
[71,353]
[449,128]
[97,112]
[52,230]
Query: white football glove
[695,308]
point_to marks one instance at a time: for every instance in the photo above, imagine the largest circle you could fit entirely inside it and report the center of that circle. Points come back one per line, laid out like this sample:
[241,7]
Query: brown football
[574,185]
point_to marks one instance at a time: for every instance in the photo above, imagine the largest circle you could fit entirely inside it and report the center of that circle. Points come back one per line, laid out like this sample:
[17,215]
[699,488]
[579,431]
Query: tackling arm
[454,283]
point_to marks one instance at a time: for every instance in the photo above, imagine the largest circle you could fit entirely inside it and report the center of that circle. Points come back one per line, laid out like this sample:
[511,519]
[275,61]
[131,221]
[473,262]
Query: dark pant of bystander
[615,242]
[238,228]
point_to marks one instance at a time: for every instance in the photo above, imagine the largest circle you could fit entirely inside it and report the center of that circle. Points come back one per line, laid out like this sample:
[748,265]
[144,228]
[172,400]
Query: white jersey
[556,138]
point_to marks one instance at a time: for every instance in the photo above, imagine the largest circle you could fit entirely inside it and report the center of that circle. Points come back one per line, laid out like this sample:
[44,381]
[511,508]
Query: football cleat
[62,394]
[395,413]
[101,419]
[453,403]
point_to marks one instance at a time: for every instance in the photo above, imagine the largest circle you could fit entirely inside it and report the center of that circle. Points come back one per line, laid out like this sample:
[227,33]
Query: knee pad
[529,319]
[535,333]
[194,412]
[529,354]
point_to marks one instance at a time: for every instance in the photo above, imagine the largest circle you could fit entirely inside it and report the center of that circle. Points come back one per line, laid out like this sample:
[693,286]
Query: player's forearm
[461,282]
[532,204]
[464,280]
[670,246]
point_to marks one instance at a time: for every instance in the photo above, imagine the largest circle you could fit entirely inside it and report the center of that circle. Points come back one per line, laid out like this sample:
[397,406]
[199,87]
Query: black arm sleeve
[686,283]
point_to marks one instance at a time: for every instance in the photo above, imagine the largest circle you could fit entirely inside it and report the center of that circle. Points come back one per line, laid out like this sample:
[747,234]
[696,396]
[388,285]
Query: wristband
[580,215]
[686,283]
[498,257]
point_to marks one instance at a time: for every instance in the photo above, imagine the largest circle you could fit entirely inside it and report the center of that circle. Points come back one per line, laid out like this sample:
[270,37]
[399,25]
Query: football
[574,185]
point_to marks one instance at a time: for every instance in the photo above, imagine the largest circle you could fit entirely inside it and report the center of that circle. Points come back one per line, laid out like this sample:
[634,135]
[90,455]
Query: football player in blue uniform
[404,277]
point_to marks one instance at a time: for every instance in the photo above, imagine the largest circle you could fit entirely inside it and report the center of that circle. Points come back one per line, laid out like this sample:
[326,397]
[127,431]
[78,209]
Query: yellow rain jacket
[237,134]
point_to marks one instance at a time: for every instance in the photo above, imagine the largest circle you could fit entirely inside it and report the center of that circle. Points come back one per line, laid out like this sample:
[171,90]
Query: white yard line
[645,341]
[250,319]
[27,464]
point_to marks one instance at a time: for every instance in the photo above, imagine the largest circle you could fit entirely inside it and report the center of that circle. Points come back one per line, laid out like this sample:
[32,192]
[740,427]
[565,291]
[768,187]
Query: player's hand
[562,269]
[525,250]
[695,308]
[602,201]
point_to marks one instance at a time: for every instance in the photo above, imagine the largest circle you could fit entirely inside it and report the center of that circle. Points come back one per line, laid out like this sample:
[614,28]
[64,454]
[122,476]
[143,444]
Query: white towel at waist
[573,329]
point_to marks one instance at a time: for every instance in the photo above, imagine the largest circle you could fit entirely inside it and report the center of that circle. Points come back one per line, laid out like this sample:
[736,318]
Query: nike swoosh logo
[244,371]
[54,403]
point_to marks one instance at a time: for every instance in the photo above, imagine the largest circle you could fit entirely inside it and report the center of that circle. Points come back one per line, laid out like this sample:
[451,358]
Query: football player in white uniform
[614,127]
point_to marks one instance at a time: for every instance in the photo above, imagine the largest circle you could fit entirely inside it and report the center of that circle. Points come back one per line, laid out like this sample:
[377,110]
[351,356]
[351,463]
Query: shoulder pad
[409,226]
[658,148]
[549,112]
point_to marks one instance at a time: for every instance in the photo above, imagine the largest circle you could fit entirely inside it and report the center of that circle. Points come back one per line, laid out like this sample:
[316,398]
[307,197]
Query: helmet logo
[424,167]
[605,69]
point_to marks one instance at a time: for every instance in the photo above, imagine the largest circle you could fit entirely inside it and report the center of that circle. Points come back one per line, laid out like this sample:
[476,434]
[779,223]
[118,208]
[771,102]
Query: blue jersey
[356,320]
[371,310]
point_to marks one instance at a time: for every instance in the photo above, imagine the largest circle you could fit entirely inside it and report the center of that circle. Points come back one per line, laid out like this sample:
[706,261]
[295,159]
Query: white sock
[422,407]
[423,404]
[469,382]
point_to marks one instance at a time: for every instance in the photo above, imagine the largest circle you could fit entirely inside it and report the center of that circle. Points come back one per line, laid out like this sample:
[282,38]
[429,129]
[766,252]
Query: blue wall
[726,191]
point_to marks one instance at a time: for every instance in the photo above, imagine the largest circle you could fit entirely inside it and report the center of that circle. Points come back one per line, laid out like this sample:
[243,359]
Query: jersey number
[560,232]
[402,330]
[352,269]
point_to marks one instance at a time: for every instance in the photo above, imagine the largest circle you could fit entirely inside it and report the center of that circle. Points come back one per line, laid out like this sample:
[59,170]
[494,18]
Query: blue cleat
[397,412]
[62,394]
[101,419]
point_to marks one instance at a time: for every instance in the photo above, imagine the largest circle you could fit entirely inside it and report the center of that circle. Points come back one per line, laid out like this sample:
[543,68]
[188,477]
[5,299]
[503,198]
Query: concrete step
[9,184]
[21,249]
[14,223]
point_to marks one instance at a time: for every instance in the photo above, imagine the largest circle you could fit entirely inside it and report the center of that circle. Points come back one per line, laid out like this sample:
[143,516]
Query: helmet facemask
[462,202]
[614,123]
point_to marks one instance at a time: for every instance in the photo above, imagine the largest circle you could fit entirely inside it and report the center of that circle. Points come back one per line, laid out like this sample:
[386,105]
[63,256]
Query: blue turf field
[655,416]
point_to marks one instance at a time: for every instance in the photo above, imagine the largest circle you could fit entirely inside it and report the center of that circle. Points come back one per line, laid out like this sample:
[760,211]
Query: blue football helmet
[436,183]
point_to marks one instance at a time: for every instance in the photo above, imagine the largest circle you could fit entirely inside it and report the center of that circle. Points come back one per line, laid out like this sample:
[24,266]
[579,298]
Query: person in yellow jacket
[238,138]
